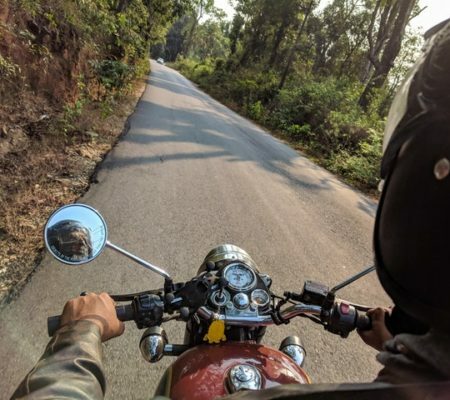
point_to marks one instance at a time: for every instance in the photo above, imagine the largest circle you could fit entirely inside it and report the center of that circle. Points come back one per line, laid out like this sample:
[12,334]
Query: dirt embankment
[50,141]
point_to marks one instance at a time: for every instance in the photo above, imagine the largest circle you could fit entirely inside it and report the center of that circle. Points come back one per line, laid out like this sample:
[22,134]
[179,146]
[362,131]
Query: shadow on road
[201,120]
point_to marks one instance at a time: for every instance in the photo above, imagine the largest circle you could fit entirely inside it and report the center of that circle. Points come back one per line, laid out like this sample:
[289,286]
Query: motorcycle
[226,309]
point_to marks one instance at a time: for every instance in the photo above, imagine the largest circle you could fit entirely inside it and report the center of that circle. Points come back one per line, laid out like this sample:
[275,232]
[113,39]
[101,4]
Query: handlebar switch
[149,309]
[342,319]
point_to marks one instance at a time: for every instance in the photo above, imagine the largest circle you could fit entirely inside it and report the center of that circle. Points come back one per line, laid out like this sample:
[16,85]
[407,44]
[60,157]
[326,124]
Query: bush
[202,71]
[300,132]
[8,70]
[113,74]
[256,111]
[363,166]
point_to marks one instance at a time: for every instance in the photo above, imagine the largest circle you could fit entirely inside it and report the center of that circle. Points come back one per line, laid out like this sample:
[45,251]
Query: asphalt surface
[189,175]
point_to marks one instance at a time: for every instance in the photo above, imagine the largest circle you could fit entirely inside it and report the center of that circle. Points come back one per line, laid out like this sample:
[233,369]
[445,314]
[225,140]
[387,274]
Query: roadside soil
[42,168]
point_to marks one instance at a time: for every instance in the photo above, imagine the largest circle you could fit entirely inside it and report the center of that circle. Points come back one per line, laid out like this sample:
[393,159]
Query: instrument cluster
[246,292]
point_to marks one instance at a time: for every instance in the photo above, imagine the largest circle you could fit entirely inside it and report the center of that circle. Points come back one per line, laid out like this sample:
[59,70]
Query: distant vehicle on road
[160,60]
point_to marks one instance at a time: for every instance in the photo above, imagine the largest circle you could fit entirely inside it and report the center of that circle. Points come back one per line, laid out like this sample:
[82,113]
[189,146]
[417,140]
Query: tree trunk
[257,42]
[197,16]
[276,44]
[188,42]
[291,56]
[391,49]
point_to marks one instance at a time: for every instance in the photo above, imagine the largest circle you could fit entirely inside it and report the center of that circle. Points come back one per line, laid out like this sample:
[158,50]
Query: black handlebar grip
[124,313]
[363,322]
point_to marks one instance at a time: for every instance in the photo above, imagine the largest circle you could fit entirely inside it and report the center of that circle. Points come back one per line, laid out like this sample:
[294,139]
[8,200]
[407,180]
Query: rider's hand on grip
[379,333]
[97,308]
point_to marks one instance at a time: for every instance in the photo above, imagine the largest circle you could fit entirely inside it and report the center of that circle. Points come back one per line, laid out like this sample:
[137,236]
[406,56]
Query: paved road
[191,174]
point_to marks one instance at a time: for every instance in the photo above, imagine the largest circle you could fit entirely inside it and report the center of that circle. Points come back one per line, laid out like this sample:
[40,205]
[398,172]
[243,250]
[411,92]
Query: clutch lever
[131,296]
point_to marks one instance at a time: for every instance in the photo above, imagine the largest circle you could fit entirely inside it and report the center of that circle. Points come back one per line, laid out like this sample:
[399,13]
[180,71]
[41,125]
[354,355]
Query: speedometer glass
[260,297]
[239,276]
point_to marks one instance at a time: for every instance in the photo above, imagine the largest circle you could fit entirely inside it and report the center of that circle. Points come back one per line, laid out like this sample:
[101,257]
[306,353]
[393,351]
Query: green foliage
[300,133]
[256,111]
[113,75]
[197,71]
[68,118]
[8,70]
[362,166]
[192,37]
[31,6]
[210,41]
[106,42]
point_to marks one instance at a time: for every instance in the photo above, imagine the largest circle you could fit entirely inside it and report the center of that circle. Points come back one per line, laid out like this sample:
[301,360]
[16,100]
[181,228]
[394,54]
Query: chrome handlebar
[260,320]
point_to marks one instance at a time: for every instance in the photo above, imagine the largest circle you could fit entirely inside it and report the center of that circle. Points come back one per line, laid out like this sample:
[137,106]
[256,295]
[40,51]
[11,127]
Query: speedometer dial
[239,276]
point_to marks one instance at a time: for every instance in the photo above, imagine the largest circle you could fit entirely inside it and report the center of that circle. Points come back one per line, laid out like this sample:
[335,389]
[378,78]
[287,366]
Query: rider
[411,235]
[70,240]
[412,253]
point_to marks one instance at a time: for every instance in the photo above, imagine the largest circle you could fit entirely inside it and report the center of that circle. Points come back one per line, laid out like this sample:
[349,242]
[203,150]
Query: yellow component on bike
[216,332]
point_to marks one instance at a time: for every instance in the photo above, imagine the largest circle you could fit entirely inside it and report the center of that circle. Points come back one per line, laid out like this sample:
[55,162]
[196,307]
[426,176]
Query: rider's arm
[71,366]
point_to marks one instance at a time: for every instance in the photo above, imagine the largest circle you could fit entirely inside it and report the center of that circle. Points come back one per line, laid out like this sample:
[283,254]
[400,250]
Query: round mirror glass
[75,234]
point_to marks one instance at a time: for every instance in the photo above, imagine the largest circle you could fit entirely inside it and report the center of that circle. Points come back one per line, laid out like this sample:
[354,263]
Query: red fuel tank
[201,373]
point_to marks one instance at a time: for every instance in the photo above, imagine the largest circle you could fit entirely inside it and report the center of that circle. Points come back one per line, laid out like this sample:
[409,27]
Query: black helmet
[412,228]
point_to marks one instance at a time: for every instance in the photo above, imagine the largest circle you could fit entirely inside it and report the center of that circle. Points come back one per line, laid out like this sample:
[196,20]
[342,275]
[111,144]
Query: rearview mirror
[75,234]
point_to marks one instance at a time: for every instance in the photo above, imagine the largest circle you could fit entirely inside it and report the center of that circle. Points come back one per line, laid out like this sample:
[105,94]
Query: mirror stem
[353,278]
[140,261]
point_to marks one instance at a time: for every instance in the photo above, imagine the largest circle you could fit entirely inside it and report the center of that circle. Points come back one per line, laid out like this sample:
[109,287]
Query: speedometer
[239,276]
[260,297]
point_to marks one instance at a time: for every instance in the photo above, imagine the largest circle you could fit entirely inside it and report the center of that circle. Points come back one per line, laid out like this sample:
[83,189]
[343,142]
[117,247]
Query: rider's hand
[97,308]
[379,333]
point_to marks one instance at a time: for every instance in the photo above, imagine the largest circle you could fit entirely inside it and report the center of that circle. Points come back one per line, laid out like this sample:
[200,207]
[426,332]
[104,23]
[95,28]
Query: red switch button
[344,308]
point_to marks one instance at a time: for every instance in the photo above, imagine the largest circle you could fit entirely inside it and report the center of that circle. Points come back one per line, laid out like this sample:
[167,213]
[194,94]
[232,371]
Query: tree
[384,47]
[235,33]
[340,37]
[256,16]
[283,20]
[175,38]
[210,41]
[200,7]
[307,11]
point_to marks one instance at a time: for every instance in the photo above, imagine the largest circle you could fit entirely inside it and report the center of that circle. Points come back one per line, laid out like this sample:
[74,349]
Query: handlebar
[260,320]
[148,309]
[363,322]
[360,321]
[124,313]
[127,313]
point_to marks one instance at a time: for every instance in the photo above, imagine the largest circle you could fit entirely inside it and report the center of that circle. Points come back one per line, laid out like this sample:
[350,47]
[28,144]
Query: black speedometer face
[239,276]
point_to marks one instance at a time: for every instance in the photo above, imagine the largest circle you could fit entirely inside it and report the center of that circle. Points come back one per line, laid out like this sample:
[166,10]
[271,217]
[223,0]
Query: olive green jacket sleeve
[70,368]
